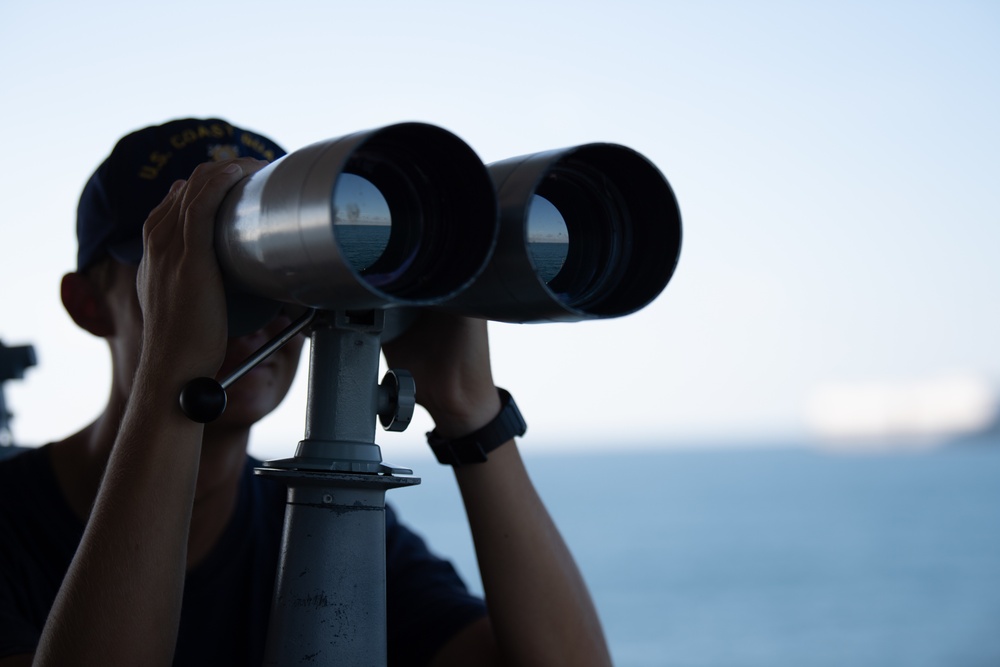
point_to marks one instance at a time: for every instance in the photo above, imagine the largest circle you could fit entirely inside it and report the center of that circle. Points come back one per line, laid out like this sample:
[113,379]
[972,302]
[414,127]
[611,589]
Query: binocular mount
[354,231]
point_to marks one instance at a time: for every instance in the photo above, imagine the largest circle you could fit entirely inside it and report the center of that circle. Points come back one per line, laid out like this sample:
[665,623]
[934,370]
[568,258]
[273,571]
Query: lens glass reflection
[548,239]
[361,219]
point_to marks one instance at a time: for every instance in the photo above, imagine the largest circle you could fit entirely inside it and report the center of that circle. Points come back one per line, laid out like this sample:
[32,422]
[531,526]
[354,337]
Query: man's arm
[540,612]
[120,601]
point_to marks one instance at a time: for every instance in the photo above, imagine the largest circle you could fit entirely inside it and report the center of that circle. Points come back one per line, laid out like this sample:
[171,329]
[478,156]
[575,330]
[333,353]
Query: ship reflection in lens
[361,220]
[548,239]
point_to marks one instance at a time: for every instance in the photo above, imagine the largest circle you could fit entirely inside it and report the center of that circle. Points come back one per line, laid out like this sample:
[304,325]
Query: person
[145,539]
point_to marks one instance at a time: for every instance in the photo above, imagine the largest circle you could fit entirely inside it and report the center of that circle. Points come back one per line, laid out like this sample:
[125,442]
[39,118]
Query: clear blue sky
[836,164]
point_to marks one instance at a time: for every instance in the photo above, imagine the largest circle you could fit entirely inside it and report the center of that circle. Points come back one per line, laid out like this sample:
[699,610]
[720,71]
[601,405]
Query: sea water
[362,244]
[768,557]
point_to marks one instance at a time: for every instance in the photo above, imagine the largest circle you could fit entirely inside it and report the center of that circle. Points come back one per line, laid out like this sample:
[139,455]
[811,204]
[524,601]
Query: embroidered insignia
[220,152]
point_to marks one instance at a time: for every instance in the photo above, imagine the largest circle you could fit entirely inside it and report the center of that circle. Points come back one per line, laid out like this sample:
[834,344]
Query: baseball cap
[137,175]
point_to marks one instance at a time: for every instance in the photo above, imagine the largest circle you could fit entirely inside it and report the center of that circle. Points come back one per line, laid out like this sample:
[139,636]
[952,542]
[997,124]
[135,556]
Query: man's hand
[179,281]
[449,357]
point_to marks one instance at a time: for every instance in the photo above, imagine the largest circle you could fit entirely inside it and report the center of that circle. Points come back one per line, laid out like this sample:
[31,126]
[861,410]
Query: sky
[836,166]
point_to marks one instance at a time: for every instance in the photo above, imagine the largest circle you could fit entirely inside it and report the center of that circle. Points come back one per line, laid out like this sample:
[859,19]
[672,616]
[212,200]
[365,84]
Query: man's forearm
[539,605]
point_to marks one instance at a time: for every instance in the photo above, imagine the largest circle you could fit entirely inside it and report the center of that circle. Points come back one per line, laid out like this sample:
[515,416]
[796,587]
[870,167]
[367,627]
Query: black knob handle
[203,400]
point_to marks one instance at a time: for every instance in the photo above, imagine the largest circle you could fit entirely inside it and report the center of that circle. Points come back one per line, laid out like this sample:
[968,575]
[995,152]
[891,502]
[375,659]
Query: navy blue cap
[137,175]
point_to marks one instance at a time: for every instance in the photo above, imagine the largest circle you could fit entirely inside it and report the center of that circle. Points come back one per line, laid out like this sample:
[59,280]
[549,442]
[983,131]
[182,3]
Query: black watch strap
[474,447]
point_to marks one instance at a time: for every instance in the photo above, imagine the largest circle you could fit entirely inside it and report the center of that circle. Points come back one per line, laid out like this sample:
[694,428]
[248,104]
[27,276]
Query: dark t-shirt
[227,597]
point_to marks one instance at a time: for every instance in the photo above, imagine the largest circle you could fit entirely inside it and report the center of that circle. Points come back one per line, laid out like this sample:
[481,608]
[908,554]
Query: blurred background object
[13,362]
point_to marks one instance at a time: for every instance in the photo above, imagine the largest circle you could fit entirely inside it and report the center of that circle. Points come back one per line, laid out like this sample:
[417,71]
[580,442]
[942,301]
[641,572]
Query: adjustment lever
[204,399]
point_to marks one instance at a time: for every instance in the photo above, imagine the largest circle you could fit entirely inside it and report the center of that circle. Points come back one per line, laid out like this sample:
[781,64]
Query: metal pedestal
[329,600]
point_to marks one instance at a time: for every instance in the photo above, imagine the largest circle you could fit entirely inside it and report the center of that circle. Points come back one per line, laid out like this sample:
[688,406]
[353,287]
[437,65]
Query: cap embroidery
[157,161]
[220,152]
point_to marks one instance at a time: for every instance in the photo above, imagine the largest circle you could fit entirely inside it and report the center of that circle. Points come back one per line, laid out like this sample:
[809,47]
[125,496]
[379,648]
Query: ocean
[362,244]
[768,557]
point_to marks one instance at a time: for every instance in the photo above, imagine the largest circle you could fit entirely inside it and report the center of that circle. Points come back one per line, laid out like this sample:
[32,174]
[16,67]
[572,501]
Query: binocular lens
[594,248]
[548,238]
[362,223]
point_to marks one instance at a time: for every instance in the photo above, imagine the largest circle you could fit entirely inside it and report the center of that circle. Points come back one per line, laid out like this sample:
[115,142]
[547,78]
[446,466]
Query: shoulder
[21,472]
[13,457]
[31,503]
[37,541]
[10,451]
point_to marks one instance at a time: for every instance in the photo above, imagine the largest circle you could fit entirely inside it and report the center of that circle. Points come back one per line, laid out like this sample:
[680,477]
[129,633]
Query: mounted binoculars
[409,216]
[399,217]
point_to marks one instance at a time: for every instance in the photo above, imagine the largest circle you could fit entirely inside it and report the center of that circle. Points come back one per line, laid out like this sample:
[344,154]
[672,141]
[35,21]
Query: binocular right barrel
[592,231]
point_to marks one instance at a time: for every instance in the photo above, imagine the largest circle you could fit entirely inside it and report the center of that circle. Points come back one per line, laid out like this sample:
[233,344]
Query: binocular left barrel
[408,216]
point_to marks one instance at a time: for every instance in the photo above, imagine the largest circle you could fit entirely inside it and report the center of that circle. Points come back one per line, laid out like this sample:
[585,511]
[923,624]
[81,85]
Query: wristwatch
[474,447]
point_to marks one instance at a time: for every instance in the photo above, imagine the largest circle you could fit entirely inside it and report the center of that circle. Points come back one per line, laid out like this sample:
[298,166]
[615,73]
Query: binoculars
[408,216]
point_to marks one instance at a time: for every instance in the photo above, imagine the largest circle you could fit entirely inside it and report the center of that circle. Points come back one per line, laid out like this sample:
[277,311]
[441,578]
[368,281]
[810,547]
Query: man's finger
[205,196]
[163,210]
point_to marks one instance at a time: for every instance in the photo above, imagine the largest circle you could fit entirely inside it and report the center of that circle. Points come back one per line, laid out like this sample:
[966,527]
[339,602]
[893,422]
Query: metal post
[13,362]
[329,600]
